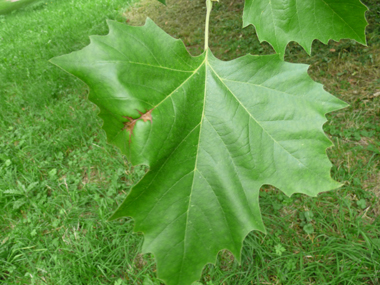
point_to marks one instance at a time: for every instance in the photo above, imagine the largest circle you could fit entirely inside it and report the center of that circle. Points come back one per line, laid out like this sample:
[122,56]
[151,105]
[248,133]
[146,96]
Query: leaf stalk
[208,12]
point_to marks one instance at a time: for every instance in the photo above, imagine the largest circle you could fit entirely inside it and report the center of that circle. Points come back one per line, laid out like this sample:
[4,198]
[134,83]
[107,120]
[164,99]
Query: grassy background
[60,181]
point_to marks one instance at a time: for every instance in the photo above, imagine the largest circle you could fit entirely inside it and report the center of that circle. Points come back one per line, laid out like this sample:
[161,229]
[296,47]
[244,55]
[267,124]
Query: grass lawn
[60,181]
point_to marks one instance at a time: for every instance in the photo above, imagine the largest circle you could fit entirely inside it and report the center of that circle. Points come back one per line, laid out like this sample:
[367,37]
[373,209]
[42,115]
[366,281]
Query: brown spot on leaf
[146,116]
[130,125]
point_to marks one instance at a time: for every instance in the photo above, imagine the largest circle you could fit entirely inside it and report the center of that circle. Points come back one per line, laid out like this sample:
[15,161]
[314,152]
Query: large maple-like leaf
[211,132]
[281,21]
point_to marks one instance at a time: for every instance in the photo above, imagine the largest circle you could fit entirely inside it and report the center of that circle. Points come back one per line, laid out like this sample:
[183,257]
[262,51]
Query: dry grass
[171,18]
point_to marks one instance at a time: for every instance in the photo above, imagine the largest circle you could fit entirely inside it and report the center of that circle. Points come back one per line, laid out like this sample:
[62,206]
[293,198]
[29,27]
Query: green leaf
[148,281]
[309,229]
[281,21]
[309,216]
[17,204]
[212,133]
[13,192]
[361,203]
[279,249]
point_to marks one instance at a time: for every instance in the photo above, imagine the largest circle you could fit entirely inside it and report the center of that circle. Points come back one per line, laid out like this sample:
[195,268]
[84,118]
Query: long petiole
[209,8]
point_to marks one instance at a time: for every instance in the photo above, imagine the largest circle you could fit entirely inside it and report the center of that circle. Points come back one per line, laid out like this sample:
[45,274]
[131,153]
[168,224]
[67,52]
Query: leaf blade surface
[212,133]
[281,21]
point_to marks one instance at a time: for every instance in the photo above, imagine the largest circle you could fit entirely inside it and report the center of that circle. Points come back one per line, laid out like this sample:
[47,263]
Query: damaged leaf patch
[130,124]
